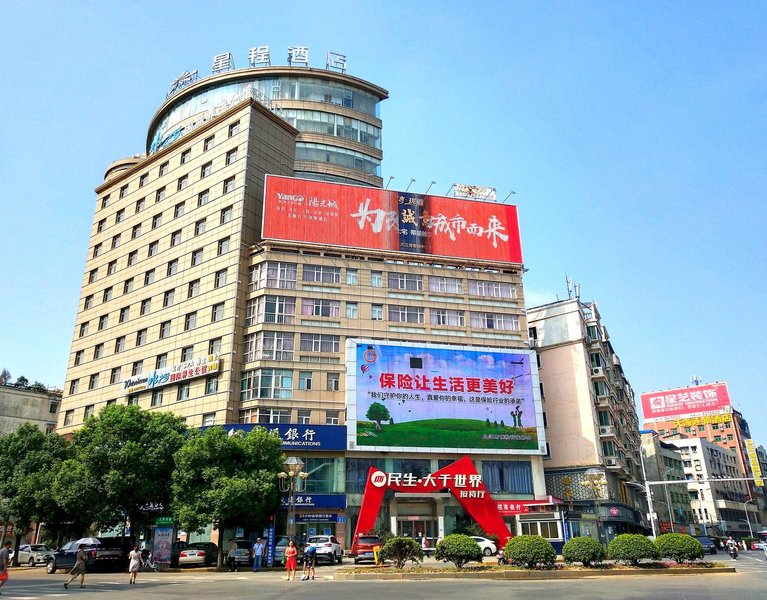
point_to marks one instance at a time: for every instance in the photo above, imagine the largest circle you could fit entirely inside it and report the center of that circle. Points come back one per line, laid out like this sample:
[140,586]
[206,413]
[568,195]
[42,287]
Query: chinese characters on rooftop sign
[260,56]
[475,192]
[685,401]
[378,219]
[702,420]
[753,461]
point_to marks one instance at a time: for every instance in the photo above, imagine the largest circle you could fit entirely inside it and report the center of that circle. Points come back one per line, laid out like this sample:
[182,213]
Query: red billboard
[362,217]
[685,401]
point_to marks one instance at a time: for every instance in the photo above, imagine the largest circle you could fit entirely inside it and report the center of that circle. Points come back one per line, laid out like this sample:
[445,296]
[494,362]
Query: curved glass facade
[338,156]
[312,89]
[315,121]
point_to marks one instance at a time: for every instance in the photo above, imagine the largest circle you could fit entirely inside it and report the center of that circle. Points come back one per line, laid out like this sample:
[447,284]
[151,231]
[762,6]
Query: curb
[526,575]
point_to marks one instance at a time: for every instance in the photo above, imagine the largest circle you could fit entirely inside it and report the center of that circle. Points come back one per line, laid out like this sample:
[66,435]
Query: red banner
[685,401]
[362,217]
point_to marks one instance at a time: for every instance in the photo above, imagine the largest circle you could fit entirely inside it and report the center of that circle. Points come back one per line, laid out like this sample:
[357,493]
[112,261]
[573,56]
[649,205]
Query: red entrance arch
[460,477]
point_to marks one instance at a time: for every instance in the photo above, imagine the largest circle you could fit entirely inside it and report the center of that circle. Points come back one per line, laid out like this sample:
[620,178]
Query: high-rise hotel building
[187,306]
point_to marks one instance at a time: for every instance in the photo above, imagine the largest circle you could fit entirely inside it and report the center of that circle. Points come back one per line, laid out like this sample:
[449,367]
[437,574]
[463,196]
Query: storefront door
[418,529]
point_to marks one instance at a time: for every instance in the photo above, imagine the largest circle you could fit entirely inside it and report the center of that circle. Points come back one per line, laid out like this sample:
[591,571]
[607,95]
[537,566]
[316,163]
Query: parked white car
[328,548]
[34,554]
[488,547]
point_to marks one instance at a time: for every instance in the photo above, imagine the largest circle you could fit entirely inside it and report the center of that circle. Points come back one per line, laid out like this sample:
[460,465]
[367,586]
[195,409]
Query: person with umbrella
[79,568]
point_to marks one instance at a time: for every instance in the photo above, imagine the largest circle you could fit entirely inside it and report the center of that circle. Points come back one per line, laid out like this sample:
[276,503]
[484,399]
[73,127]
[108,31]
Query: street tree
[31,460]
[21,381]
[127,455]
[5,377]
[226,480]
[378,412]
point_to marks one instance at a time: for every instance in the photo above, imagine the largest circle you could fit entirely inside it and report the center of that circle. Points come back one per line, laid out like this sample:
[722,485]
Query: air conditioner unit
[597,371]
[532,342]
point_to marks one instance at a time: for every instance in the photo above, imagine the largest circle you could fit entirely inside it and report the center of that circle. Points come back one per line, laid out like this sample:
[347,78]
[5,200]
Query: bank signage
[191,369]
[316,518]
[317,501]
[301,437]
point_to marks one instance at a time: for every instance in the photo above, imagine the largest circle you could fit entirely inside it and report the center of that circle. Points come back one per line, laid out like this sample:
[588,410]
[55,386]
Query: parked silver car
[34,554]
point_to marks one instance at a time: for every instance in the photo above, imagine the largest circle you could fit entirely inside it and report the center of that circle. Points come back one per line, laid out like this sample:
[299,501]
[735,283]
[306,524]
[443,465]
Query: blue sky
[633,135]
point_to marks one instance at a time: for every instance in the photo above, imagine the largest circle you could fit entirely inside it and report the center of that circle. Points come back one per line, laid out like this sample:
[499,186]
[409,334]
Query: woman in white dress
[135,563]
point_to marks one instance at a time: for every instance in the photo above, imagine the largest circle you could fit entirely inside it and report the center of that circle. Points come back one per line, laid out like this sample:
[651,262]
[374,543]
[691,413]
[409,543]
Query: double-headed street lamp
[288,478]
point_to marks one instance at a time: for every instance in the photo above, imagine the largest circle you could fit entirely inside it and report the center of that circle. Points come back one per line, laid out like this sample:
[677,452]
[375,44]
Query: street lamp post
[748,520]
[288,479]
[648,493]
[595,479]
[669,507]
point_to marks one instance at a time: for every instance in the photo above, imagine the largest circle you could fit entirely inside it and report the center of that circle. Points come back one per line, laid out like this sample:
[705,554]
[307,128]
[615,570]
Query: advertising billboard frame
[691,402]
[389,221]
[352,386]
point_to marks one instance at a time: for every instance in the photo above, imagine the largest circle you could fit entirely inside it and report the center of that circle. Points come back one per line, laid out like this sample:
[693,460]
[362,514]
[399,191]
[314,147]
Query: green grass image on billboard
[447,433]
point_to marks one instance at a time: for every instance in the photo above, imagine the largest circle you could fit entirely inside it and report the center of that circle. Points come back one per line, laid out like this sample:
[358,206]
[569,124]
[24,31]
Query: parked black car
[709,547]
[109,555]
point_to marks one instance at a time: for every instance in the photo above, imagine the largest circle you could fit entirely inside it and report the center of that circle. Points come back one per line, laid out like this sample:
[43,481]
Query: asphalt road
[749,582]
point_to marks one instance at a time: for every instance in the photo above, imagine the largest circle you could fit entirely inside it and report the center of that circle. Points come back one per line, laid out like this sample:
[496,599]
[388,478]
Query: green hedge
[458,549]
[584,550]
[631,548]
[399,550]
[530,551]
[679,547]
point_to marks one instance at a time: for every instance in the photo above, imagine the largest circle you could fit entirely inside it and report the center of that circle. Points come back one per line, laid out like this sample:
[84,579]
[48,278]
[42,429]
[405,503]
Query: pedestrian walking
[134,556]
[290,560]
[79,568]
[5,562]
[310,559]
[231,556]
[258,555]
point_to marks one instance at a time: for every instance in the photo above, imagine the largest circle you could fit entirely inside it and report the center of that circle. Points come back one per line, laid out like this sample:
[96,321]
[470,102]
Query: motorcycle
[733,550]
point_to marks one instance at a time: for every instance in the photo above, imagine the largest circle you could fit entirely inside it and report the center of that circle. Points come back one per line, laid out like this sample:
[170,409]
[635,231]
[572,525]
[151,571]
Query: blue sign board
[316,518]
[301,437]
[270,546]
[301,501]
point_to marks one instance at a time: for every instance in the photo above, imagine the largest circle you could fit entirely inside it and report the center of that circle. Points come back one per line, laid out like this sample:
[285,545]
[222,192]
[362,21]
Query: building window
[334,382]
[187,353]
[69,416]
[111,401]
[164,169]
[141,337]
[159,195]
[105,201]
[183,392]
[124,191]
[273,275]
[107,294]
[211,385]
[100,227]
[142,181]
[114,376]
[175,238]
[149,277]
[74,385]
[226,215]
[269,345]
[272,416]
[234,129]
[88,302]
[172,267]
[317,342]
[154,248]
[194,288]
[186,155]
[507,477]
[214,346]
[133,400]
[208,143]
[164,330]
[206,170]
[376,312]
[406,314]
[203,197]
[199,227]
[209,419]
[305,380]
[120,216]
[270,309]
[168,298]
[231,156]
[304,417]
[483,320]
[183,181]
[83,329]
[145,306]
[449,317]
[217,314]
[93,382]
[352,311]
[322,274]
[96,250]
[248,415]
[316,307]
[140,204]
[116,241]
[132,258]
[190,321]
[376,278]
[103,322]
[492,289]
[119,344]
[79,357]
[267,383]
[228,184]
[446,285]
[156,398]
[405,281]
[178,210]
[332,418]
[197,257]
[223,246]
[220,279]
[135,232]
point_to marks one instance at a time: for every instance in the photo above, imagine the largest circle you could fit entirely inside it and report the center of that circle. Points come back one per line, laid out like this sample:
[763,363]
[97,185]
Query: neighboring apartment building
[671,502]
[718,507]
[188,306]
[593,459]
[19,405]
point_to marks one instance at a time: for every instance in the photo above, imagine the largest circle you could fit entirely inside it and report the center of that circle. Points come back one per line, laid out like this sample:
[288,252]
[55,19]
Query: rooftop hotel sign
[179,373]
